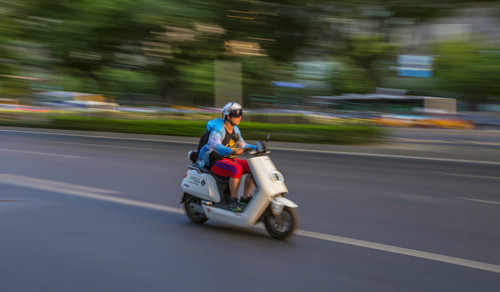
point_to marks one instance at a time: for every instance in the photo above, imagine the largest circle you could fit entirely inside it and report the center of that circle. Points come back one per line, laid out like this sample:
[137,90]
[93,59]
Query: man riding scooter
[219,154]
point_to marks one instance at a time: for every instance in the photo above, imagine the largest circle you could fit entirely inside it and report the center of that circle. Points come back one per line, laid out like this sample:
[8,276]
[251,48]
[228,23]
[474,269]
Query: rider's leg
[249,182]
[249,185]
[234,183]
[231,169]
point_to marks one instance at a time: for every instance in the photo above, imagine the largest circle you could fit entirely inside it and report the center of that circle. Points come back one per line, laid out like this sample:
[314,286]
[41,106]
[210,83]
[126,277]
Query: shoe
[235,205]
[245,201]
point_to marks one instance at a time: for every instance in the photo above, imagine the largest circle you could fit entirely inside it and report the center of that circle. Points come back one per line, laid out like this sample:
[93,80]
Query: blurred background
[382,208]
[356,58]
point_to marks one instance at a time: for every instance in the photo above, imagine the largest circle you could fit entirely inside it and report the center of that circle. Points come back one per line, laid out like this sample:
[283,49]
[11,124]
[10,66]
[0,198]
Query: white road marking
[43,183]
[43,153]
[112,146]
[470,175]
[82,191]
[482,201]
[445,141]
[404,251]
[100,137]
[275,148]
[79,191]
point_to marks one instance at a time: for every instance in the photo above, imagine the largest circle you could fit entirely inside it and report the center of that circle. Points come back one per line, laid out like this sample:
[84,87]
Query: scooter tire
[192,214]
[282,226]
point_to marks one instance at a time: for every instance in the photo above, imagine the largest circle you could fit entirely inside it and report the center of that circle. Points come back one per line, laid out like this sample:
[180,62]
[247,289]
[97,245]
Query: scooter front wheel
[192,205]
[283,225]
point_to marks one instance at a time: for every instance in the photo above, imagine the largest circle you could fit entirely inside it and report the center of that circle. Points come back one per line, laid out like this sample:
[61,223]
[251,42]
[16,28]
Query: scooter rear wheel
[191,212]
[283,225]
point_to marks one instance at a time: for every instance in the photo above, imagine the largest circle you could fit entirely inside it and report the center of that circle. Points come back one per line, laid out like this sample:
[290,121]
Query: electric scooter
[206,196]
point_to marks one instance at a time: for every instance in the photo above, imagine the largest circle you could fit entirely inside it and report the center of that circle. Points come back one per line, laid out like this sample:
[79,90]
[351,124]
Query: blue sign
[287,84]
[414,72]
[415,66]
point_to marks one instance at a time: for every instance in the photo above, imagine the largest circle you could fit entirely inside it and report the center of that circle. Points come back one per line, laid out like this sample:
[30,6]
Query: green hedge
[342,134]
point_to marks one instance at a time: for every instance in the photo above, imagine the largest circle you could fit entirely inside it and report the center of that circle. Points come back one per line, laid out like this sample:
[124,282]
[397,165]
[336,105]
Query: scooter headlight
[276,176]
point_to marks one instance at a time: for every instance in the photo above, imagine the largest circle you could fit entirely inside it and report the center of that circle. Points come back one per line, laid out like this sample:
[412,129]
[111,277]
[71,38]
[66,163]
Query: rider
[219,154]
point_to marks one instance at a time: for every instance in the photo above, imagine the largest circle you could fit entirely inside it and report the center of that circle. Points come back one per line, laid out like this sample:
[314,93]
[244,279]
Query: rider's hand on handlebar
[238,151]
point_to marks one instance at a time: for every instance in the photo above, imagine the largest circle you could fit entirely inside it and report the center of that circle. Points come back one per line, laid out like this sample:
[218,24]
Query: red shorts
[234,168]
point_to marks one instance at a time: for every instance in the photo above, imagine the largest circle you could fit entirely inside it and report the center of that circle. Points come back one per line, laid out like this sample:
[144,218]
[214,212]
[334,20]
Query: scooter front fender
[284,201]
[278,203]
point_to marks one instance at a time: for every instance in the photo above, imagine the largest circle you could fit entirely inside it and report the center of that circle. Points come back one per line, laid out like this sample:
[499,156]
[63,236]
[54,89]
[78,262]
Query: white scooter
[206,196]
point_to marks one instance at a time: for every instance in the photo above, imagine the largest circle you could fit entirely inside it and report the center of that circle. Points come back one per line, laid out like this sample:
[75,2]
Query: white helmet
[232,108]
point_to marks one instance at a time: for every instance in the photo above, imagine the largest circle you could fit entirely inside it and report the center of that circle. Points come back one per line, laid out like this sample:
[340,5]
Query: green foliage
[199,79]
[13,88]
[8,28]
[323,134]
[363,51]
[352,79]
[468,70]
[167,49]
[252,131]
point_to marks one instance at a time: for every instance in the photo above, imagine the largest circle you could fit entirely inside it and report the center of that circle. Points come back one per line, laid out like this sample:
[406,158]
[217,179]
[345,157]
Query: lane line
[470,175]
[459,142]
[112,146]
[481,201]
[43,153]
[80,191]
[403,251]
[77,191]
[34,182]
[102,137]
[274,148]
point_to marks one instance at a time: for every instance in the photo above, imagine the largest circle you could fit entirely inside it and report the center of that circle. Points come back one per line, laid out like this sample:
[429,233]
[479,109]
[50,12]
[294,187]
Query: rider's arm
[215,141]
[214,144]
[242,144]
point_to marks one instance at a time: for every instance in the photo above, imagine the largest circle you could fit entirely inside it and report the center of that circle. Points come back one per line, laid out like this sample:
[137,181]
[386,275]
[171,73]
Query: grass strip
[323,134]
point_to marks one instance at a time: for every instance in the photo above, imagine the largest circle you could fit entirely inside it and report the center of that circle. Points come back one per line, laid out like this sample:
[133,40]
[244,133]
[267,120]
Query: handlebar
[261,148]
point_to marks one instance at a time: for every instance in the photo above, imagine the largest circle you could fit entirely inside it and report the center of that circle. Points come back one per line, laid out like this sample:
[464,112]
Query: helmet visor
[235,113]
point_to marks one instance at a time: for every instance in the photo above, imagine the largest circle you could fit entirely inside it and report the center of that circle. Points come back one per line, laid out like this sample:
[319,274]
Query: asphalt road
[100,212]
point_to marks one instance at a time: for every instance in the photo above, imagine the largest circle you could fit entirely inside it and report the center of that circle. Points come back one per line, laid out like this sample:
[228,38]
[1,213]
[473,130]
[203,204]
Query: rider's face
[235,120]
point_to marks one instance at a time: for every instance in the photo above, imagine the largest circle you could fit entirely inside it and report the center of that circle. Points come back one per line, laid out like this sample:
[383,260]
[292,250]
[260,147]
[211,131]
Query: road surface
[100,212]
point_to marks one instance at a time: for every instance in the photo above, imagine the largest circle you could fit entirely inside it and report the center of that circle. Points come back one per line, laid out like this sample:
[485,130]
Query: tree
[364,50]
[10,85]
[465,69]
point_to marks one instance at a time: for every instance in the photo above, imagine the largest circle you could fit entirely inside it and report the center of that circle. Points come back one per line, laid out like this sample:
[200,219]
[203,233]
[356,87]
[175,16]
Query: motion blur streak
[42,153]
[403,251]
[79,191]
[481,201]
[86,192]
[390,155]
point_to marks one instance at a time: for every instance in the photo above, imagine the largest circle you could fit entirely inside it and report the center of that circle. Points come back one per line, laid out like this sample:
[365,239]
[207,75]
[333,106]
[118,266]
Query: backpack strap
[203,140]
